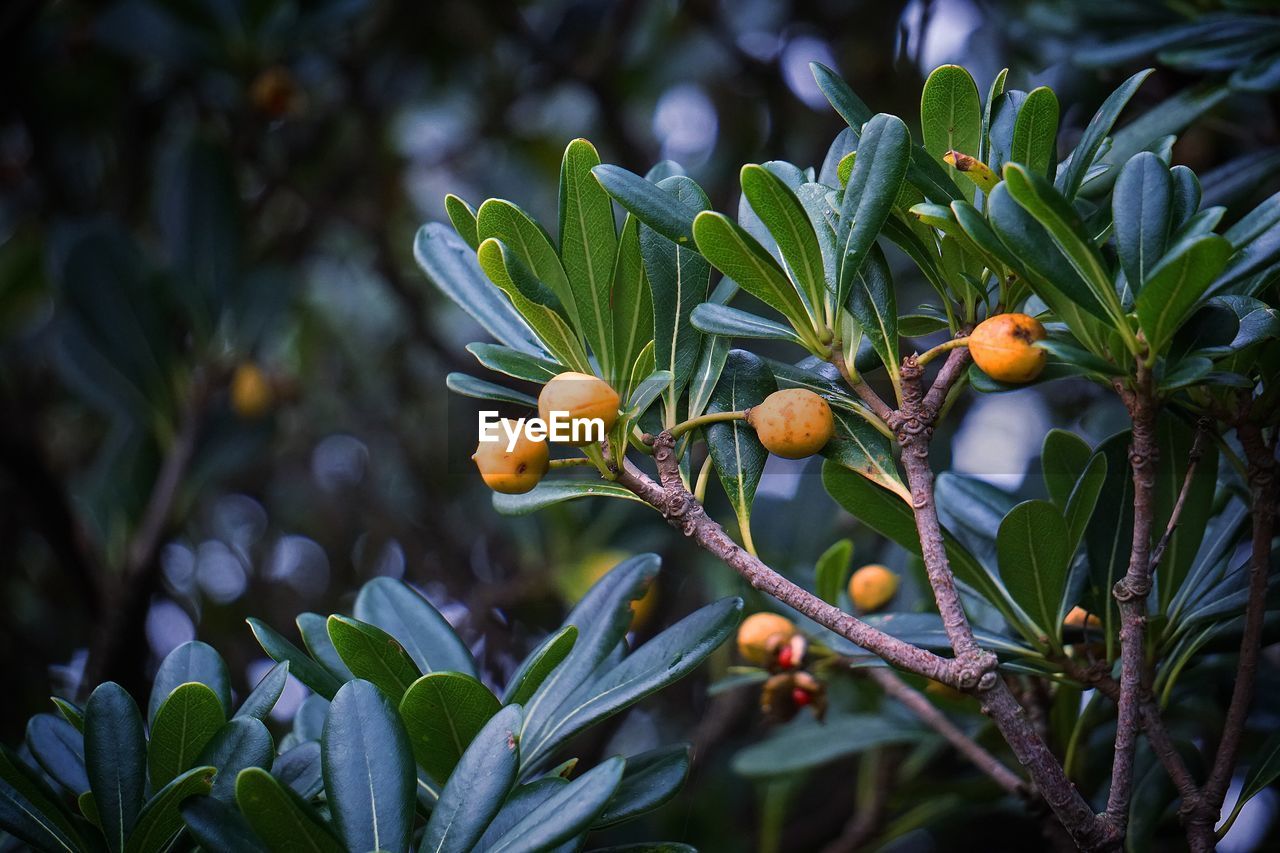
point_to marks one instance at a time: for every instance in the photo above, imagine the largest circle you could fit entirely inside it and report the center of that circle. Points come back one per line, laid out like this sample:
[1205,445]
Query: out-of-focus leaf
[30,810]
[1072,171]
[299,768]
[805,744]
[425,634]
[442,713]
[832,571]
[1264,770]
[281,818]
[183,726]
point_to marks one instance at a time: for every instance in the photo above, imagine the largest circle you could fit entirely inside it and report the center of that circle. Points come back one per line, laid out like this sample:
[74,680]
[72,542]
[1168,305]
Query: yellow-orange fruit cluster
[1004,347]
[515,471]
[761,635]
[793,423]
[251,392]
[583,398]
[872,587]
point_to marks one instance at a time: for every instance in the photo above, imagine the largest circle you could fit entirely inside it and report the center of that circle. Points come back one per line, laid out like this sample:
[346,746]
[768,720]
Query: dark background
[280,156]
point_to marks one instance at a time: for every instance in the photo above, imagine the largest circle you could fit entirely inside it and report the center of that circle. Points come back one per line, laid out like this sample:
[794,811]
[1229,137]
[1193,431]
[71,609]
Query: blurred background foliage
[222,378]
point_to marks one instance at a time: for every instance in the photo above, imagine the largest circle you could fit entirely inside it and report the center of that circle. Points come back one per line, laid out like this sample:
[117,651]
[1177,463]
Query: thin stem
[946,346]
[862,389]
[1203,428]
[704,420]
[917,703]
[704,477]
[574,462]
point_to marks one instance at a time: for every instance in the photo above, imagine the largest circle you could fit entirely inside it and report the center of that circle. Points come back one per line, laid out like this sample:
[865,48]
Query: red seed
[800,698]
[784,657]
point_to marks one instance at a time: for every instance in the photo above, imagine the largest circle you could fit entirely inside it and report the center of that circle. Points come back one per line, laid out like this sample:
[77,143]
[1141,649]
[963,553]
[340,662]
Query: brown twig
[918,704]
[1198,445]
[868,394]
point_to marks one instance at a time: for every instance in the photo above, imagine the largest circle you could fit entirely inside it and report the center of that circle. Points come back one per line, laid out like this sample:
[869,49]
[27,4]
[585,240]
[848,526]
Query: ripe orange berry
[793,424]
[1081,618]
[251,393]
[872,586]
[516,471]
[761,635]
[583,397]
[1004,347]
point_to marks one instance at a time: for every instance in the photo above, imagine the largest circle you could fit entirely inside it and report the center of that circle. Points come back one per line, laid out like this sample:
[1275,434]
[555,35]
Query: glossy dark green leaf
[301,665]
[632,304]
[860,447]
[735,323]
[1080,505]
[442,712]
[160,820]
[849,106]
[477,788]
[266,693]
[402,612]
[1034,557]
[450,264]
[715,352]
[1071,175]
[242,742]
[1035,131]
[280,818]
[373,655]
[480,389]
[191,661]
[664,212]
[70,712]
[540,663]
[738,456]
[1110,532]
[300,769]
[115,751]
[1142,209]
[588,247]
[650,780]
[369,778]
[58,747]
[1176,284]
[514,363]
[462,217]
[518,231]
[30,810]
[185,723]
[805,744]
[872,303]
[219,827]
[661,661]
[566,813]
[993,92]
[315,636]
[790,225]
[552,492]
[832,572]
[1063,458]
[521,801]
[884,152]
[1004,115]
[950,114]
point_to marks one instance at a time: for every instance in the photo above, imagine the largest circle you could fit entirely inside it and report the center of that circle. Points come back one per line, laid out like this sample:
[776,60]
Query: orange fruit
[582,398]
[872,586]
[761,635]
[1004,347]
[1081,618]
[251,393]
[515,471]
[793,424]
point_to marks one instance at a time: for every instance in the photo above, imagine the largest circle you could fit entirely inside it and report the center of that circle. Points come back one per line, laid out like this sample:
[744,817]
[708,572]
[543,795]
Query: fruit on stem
[872,587]
[1004,347]
[793,423]
[514,471]
[582,398]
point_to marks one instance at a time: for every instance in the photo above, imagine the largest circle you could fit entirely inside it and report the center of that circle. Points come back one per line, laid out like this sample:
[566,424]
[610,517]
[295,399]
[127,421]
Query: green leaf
[650,780]
[301,666]
[115,751]
[806,743]
[1084,499]
[664,212]
[1034,557]
[663,660]
[160,819]
[1035,132]
[739,256]
[514,363]
[566,813]
[219,827]
[369,778]
[736,453]
[299,768]
[517,230]
[711,361]
[540,663]
[735,323]
[871,302]
[588,247]
[425,634]
[850,107]
[450,264]
[861,447]
[282,819]
[477,788]
[315,636]
[462,217]
[70,712]
[1264,770]
[263,697]
[552,492]
[442,713]
[185,723]
[832,571]
[1071,174]
[1063,458]
[191,661]
[373,655]
[995,91]
[632,303]
[30,810]
[1176,284]
[58,747]
[519,804]
[950,115]
[242,742]
[1110,531]
[479,389]
[789,223]
[884,152]
[1142,209]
